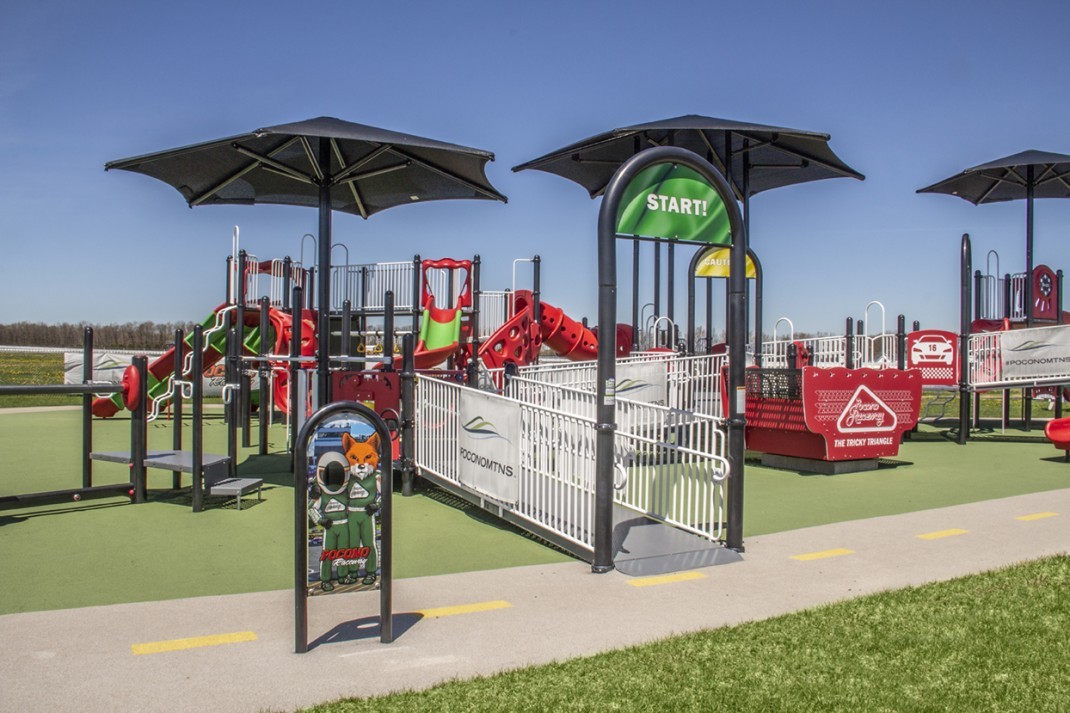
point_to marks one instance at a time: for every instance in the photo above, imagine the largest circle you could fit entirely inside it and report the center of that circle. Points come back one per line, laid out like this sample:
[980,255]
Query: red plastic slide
[519,339]
[1058,432]
[161,368]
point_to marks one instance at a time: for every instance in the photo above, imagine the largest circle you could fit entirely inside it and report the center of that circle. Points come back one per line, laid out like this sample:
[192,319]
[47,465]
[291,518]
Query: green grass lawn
[990,642]
[32,368]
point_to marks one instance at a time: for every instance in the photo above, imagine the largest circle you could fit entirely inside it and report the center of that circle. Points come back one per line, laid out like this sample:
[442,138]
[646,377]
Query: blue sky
[911,92]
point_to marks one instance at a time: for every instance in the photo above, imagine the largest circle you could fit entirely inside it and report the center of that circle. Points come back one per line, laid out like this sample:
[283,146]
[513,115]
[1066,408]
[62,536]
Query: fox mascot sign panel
[344,485]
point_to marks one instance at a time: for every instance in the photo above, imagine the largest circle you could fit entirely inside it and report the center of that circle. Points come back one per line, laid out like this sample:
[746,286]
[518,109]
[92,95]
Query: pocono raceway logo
[631,386]
[480,428]
[866,412]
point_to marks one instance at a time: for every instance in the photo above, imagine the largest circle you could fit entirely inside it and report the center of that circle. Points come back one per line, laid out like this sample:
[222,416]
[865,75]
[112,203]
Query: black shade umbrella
[1026,175]
[326,163]
[753,157]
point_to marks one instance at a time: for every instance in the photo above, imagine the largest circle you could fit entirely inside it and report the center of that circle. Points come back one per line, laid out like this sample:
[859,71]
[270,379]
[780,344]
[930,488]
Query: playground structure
[673,426]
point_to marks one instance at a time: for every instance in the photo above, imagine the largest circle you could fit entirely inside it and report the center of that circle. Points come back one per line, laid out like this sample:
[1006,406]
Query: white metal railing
[694,384]
[986,358]
[1018,296]
[277,284]
[495,309]
[556,478]
[875,352]
[367,285]
[670,464]
[985,362]
[824,352]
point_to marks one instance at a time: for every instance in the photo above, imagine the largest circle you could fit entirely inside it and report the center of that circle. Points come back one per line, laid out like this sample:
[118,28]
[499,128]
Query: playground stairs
[216,469]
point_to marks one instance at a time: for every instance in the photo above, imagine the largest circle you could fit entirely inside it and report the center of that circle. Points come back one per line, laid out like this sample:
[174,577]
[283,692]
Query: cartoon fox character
[364,482]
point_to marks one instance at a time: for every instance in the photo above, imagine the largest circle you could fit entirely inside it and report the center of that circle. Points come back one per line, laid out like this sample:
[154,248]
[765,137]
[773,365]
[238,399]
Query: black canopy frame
[325,162]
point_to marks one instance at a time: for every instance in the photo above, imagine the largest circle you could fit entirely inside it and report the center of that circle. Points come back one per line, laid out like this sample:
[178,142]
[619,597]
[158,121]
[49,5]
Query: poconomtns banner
[645,382]
[667,200]
[1035,353]
[489,442]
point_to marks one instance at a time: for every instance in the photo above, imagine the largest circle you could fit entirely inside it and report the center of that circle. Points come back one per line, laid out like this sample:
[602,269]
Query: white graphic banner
[108,368]
[643,381]
[1035,353]
[489,441]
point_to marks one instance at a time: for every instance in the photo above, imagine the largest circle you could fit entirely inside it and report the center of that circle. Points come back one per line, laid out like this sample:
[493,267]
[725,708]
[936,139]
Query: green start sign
[668,200]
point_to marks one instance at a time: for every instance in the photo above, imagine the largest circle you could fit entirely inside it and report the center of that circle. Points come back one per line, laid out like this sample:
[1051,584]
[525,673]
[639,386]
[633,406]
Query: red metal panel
[935,353]
[862,413]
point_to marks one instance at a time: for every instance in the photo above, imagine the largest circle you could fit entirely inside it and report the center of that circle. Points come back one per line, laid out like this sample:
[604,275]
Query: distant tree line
[131,335]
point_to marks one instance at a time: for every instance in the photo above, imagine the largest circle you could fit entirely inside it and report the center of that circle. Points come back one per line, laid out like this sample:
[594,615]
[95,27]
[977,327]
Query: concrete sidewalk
[464,625]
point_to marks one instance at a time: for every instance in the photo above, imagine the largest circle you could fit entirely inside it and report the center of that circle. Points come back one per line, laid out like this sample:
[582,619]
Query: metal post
[323,380]
[901,343]
[1030,187]
[295,352]
[737,365]
[1059,320]
[264,372]
[1027,394]
[536,291]
[759,287]
[636,327]
[388,329]
[849,352]
[691,304]
[709,314]
[474,322]
[287,269]
[417,308]
[139,432]
[176,401]
[87,409]
[230,277]
[657,287]
[978,310]
[198,418]
[1007,297]
[670,280]
[605,423]
[408,432]
[244,405]
[347,328]
[233,405]
[964,340]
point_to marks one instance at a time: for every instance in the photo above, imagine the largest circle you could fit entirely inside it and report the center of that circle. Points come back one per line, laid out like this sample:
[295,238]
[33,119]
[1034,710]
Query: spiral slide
[161,368]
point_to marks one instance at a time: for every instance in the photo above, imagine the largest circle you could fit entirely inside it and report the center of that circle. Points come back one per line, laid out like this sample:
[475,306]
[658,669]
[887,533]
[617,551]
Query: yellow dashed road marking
[941,533]
[823,554]
[463,609]
[665,579]
[159,647]
[1036,516]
